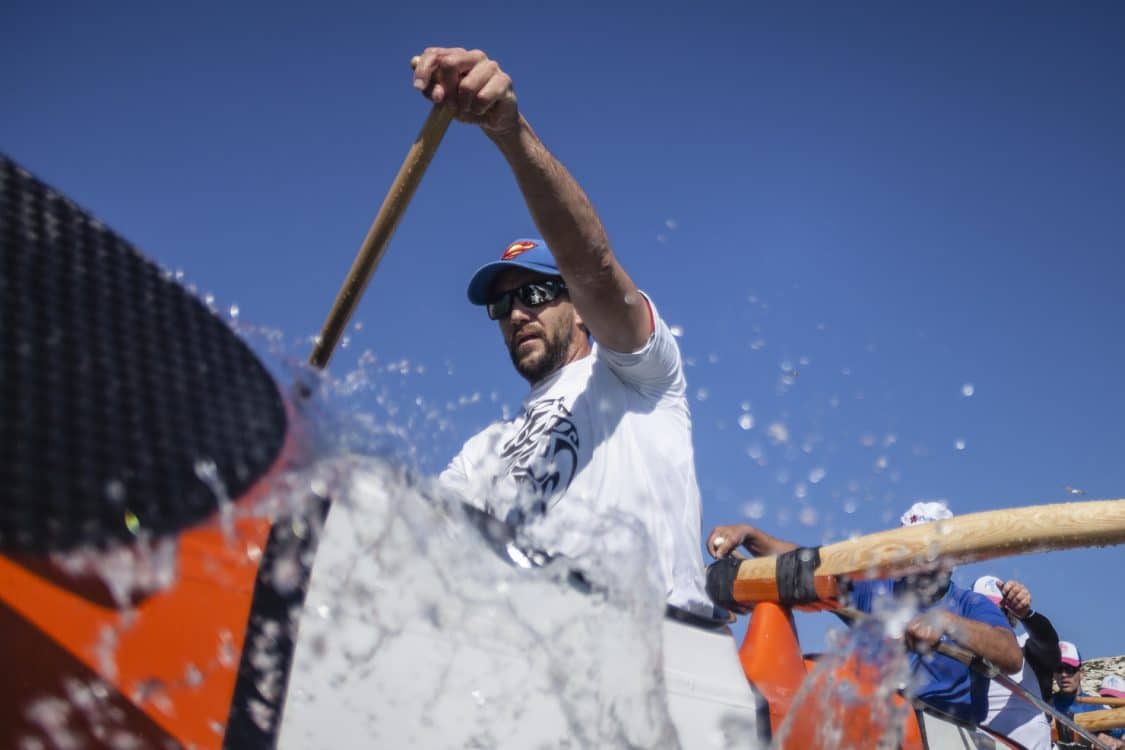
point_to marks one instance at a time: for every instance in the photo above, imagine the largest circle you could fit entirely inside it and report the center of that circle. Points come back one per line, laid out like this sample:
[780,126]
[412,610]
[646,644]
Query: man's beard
[554,354]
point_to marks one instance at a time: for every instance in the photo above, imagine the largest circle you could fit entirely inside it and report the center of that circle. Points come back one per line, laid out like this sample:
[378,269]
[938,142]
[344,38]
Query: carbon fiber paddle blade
[121,392]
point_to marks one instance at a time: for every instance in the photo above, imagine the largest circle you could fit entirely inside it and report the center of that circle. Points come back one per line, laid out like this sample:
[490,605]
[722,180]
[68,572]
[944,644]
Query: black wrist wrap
[720,581]
[795,572]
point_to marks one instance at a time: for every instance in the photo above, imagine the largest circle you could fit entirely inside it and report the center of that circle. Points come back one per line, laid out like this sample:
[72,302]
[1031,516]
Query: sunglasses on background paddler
[1067,669]
[531,294]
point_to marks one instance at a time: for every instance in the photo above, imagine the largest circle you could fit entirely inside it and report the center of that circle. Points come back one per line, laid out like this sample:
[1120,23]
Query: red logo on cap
[517,248]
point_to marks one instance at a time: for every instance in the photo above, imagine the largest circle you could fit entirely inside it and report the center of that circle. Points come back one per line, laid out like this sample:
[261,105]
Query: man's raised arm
[479,92]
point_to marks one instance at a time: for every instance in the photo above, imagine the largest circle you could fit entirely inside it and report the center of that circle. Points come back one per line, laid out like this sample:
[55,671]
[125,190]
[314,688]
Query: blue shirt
[1065,702]
[943,682]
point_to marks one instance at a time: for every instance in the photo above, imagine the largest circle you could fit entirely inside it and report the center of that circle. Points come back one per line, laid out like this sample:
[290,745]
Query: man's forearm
[561,209]
[997,644]
[603,294]
[761,544]
[1041,631]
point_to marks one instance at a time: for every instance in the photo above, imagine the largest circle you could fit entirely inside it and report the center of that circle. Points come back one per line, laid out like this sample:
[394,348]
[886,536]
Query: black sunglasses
[1067,669]
[532,294]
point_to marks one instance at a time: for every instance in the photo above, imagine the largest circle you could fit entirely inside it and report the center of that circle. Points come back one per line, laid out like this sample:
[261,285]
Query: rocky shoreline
[1093,670]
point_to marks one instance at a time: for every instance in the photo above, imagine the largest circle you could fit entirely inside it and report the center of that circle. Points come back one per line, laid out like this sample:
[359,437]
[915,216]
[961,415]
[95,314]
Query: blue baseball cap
[530,253]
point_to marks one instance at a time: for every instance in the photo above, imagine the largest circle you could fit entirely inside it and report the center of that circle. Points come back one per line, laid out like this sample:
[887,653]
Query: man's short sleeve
[979,608]
[655,368]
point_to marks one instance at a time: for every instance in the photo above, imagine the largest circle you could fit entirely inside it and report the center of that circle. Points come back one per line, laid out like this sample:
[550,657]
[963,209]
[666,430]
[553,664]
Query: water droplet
[1074,491]
[234,312]
[209,300]
[959,444]
[754,509]
[677,330]
[324,611]
[778,432]
[867,441]
[672,224]
[968,390]
[850,506]
[702,394]
[746,422]
[115,491]
[807,516]
[192,675]
[758,344]
[880,463]
[227,655]
[816,476]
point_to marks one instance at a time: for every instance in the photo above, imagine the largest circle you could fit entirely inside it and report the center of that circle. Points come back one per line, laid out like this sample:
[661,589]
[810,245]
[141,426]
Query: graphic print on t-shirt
[543,454]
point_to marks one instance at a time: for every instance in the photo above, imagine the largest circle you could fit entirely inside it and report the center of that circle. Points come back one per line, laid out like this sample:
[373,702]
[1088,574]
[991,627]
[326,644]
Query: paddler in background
[1009,714]
[947,612]
[1069,681]
[602,444]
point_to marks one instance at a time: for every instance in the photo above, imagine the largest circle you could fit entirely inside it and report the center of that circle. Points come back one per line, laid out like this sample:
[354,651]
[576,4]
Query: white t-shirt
[605,438]
[1013,715]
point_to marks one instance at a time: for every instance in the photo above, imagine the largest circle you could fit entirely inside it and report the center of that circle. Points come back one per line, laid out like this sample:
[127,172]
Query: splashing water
[415,632]
[417,618]
[850,701]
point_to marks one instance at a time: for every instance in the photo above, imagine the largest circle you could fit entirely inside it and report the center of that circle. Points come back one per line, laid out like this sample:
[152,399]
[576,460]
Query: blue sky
[900,204]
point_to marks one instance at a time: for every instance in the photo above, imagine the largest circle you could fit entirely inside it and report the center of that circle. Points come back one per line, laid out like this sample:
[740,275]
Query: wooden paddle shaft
[1100,721]
[963,539]
[375,243]
[1101,701]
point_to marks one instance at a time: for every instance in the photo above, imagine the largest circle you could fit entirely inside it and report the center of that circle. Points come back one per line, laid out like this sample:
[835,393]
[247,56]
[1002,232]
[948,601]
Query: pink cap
[989,586]
[1070,654]
[1113,686]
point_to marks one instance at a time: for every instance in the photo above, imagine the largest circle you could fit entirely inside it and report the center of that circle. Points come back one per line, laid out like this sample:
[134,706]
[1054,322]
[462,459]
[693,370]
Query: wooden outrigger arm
[955,541]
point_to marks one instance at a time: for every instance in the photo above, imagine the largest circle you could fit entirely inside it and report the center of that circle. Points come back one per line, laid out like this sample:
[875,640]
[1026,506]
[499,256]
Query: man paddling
[1069,680]
[948,612]
[603,438]
[1009,714]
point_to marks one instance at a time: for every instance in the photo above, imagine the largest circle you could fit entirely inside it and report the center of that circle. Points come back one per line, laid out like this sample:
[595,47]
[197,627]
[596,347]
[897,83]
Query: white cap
[1113,686]
[925,511]
[1070,654]
[989,586]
